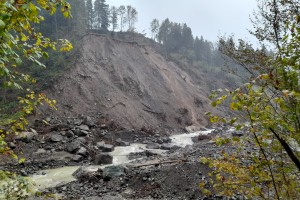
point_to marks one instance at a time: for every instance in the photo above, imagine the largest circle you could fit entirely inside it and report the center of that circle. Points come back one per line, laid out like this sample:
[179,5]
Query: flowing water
[53,177]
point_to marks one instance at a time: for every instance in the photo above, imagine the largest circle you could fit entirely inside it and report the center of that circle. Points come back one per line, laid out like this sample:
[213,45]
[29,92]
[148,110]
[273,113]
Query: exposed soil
[130,83]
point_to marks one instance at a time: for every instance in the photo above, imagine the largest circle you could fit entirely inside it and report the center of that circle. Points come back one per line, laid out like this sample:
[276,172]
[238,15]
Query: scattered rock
[82,151]
[81,140]
[167,146]
[84,127]
[56,138]
[88,121]
[80,132]
[120,142]
[103,159]
[204,137]
[26,136]
[73,146]
[166,140]
[103,126]
[149,153]
[77,158]
[39,152]
[237,134]
[48,119]
[81,171]
[105,147]
[191,129]
[113,171]
[69,134]
[152,146]
[12,145]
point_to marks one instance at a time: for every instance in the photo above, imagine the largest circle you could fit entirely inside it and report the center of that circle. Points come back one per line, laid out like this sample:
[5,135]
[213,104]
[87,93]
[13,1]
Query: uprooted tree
[267,109]
[20,44]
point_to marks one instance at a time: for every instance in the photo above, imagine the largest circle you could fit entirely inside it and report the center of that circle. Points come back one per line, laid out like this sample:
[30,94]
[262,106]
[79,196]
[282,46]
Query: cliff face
[130,83]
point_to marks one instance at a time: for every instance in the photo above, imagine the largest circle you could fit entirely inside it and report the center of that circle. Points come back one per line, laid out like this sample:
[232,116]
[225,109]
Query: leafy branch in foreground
[21,43]
[266,165]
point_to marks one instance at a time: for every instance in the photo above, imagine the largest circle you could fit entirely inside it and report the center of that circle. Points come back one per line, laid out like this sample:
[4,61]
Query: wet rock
[152,146]
[113,171]
[103,159]
[56,138]
[84,127]
[26,136]
[105,147]
[166,140]
[80,172]
[77,158]
[120,142]
[167,146]
[159,141]
[204,137]
[82,151]
[73,146]
[149,153]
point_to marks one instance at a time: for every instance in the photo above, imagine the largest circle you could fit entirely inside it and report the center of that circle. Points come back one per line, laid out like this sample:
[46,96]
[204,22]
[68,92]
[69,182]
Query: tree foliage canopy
[268,109]
[21,42]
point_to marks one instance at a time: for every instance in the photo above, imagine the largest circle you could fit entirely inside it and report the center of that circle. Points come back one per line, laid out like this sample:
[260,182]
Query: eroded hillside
[130,83]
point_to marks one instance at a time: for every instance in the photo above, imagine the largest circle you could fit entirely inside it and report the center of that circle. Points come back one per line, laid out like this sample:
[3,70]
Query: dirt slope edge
[131,84]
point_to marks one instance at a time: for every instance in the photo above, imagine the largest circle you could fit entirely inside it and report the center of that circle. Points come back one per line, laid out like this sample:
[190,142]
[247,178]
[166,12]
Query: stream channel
[63,175]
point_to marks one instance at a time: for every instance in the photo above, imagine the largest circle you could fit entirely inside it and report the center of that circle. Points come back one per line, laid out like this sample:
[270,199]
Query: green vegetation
[266,165]
[21,44]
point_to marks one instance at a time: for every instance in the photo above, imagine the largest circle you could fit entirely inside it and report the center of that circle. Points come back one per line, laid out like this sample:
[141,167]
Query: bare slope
[131,84]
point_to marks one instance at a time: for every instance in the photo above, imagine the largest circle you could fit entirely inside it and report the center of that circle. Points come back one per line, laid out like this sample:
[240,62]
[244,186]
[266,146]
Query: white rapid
[186,139]
[53,177]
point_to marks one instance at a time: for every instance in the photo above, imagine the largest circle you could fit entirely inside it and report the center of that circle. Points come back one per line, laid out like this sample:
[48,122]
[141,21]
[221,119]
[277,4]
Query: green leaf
[2,24]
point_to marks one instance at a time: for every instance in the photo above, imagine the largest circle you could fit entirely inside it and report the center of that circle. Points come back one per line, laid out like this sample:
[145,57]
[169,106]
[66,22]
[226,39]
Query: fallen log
[157,162]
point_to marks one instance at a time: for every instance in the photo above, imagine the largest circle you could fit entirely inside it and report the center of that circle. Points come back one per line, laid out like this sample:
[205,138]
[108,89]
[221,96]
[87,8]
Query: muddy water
[53,177]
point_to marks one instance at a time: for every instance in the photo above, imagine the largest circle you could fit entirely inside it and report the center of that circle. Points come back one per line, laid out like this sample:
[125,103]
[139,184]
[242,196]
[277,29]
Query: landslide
[129,82]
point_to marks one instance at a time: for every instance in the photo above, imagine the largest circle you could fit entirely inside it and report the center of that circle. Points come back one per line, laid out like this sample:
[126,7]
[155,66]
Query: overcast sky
[209,18]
